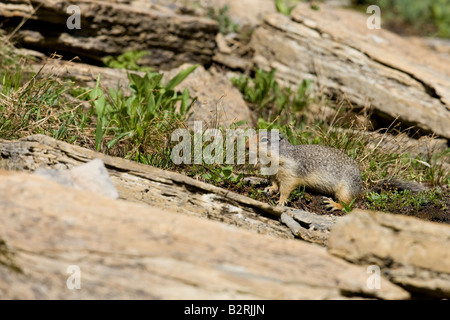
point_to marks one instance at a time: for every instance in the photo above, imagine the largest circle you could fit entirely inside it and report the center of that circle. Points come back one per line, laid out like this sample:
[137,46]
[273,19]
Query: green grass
[7,258]
[31,103]
[270,101]
[135,126]
[131,122]
[391,200]
[222,16]
[285,6]
[128,60]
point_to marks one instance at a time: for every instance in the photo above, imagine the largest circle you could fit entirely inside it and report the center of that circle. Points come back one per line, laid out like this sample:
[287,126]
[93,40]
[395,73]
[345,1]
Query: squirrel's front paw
[271,189]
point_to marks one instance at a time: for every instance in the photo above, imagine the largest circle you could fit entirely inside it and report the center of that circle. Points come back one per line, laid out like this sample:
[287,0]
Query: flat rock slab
[108,28]
[128,250]
[91,176]
[167,190]
[142,183]
[334,48]
[411,252]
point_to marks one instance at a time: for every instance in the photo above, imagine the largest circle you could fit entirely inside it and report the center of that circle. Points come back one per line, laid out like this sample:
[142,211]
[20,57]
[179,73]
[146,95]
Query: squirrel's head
[264,140]
[271,137]
[264,148]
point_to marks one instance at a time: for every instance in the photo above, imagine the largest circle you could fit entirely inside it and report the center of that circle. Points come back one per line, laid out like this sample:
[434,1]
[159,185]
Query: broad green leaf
[206,176]
[184,101]
[111,143]
[136,82]
[227,171]
[172,83]
[99,133]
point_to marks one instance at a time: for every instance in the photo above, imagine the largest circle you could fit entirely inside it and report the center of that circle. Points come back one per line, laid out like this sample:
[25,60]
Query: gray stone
[91,176]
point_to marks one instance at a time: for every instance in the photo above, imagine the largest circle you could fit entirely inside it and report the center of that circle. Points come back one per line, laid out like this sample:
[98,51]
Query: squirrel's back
[330,167]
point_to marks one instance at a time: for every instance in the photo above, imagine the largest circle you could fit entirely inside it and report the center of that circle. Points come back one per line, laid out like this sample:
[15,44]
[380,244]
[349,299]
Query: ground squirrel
[324,169]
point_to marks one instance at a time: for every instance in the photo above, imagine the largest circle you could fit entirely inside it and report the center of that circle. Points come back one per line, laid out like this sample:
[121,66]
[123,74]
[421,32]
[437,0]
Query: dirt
[428,212]
[313,202]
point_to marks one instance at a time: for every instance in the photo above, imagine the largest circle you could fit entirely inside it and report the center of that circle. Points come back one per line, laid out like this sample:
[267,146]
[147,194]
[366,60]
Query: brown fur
[323,169]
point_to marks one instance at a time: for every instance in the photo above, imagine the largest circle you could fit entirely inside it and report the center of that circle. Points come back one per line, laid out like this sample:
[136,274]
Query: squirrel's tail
[392,183]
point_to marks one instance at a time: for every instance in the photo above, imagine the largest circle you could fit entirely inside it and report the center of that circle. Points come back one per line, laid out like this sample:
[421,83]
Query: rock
[308,226]
[410,252]
[222,44]
[168,190]
[141,183]
[57,239]
[91,176]
[254,181]
[219,102]
[84,74]
[108,28]
[233,62]
[248,12]
[233,51]
[334,48]
[439,45]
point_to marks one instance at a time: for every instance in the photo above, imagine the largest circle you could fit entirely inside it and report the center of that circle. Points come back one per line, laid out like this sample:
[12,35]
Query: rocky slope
[128,250]
[168,236]
[398,78]
[160,243]
[376,68]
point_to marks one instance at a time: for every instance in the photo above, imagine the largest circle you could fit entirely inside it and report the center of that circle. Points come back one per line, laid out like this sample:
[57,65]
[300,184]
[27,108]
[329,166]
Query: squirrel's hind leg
[332,205]
[343,195]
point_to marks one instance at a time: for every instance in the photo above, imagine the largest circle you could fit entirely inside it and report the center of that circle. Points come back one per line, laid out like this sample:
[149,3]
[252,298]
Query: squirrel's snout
[252,143]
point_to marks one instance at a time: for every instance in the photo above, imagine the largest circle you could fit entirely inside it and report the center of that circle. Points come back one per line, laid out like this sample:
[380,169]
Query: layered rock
[399,78]
[412,253]
[46,228]
[108,28]
[146,184]
[62,243]
[334,48]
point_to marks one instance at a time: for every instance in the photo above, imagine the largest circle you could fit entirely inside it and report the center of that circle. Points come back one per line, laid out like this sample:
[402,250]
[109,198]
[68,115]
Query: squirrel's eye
[264,140]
